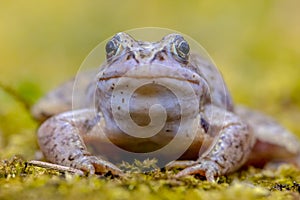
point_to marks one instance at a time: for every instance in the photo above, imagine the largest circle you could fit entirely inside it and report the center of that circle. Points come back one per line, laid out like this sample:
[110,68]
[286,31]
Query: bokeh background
[256,45]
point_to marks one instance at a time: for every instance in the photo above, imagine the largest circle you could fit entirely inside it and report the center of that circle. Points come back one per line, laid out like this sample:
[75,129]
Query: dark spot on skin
[121,92]
[119,108]
[232,162]
[65,126]
[112,87]
[63,160]
[161,58]
[222,137]
[86,121]
[223,161]
[123,100]
[128,57]
[43,114]
[89,124]
[204,124]
[46,142]
[168,130]
[71,158]
[82,148]
[142,55]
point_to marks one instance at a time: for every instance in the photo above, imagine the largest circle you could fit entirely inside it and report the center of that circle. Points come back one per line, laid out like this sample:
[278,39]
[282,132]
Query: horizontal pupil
[183,47]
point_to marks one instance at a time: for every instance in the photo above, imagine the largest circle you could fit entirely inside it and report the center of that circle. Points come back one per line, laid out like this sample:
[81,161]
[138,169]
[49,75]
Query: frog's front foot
[93,164]
[204,167]
[229,151]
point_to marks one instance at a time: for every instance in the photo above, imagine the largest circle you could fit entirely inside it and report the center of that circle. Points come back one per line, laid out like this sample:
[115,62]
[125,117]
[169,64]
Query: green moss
[19,180]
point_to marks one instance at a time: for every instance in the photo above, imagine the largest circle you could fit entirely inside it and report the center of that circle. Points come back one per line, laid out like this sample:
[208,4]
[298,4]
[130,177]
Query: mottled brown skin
[231,132]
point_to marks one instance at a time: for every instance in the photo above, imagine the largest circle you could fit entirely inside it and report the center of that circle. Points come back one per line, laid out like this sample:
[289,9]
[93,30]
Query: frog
[232,136]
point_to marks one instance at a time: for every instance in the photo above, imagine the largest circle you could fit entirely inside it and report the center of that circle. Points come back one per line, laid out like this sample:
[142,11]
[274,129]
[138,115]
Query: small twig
[59,168]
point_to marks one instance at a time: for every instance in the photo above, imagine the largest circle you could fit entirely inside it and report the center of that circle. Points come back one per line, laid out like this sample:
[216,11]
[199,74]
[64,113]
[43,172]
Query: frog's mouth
[149,77]
[150,71]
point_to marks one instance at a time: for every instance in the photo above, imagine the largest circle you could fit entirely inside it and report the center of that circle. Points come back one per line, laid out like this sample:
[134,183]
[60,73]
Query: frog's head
[141,74]
[172,51]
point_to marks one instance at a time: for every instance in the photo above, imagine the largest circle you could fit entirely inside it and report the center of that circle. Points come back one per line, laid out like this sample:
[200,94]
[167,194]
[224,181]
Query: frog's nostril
[160,56]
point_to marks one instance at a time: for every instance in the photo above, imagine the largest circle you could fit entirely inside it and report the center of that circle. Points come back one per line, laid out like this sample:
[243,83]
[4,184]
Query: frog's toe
[206,168]
[92,165]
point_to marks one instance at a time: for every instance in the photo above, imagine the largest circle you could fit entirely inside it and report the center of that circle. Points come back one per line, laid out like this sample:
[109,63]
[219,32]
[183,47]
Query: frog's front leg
[60,139]
[230,151]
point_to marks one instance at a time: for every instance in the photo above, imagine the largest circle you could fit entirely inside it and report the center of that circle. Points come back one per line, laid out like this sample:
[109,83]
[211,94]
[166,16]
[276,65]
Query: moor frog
[231,136]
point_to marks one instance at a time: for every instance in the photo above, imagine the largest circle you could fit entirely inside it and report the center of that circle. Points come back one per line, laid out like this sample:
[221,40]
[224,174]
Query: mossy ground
[19,180]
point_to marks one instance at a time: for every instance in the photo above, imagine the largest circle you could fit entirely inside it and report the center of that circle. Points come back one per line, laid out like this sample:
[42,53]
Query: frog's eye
[112,46]
[181,48]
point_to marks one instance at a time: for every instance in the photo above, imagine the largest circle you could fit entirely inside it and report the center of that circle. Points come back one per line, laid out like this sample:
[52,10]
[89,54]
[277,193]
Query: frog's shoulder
[219,92]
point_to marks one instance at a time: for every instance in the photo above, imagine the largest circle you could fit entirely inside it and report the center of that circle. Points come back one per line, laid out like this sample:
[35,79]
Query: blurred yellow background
[256,44]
